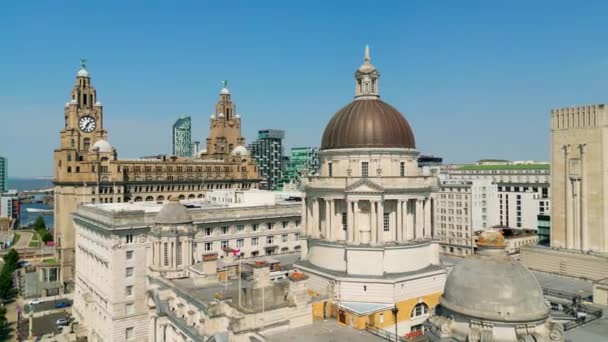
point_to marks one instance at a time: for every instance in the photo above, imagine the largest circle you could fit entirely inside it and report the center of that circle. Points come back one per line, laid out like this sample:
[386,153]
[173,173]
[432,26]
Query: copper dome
[368,123]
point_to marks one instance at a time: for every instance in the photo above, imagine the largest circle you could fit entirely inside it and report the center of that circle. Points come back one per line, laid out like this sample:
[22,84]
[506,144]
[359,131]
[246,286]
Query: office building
[303,160]
[267,151]
[182,136]
[10,205]
[3,174]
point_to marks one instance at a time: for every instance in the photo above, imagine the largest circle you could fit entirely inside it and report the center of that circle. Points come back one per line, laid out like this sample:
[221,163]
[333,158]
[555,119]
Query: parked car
[61,305]
[61,322]
[35,301]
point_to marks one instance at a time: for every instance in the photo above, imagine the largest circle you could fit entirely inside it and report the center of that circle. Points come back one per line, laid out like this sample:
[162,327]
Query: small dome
[173,212]
[67,104]
[102,146]
[368,123]
[98,104]
[491,238]
[224,91]
[212,116]
[491,285]
[220,115]
[237,116]
[240,150]
[83,73]
[73,101]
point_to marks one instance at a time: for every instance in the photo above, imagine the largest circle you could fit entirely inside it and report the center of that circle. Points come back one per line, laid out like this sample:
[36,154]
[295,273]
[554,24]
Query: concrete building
[3,174]
[267,151]
[148,271]
[477,307]
[367,218]
[303,160]
[87,168]
[579,196]
[462,207]
[10,205]
[182,137]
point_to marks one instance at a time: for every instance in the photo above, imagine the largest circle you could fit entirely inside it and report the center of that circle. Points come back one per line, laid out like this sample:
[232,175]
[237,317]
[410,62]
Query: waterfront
[29,218]
[28,184]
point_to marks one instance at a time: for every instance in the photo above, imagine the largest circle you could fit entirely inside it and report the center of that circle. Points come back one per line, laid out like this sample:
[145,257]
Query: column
[427,218]
[327,227]
[567,194]
[380,226]
[332,220]
[576,214]
[409,226]
[373,223]
[356,222]
[583,200]
[315,217]
[419,220]
[350,227]
[304,215]
[399,225]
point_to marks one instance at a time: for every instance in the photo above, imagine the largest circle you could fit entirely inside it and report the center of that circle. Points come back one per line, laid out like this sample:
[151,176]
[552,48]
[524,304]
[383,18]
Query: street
[42,325]
[50,305]
[24,241]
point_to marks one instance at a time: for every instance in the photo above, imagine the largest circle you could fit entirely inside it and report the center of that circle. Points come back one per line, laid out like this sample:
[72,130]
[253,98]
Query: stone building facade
[87,168]
[367,218]
[138,260]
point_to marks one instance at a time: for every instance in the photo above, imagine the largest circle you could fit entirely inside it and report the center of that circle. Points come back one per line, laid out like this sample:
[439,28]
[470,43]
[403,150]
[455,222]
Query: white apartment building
[118,245]
[462,207]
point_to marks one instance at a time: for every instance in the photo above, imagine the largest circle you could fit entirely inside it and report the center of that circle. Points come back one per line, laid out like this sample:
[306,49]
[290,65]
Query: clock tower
[77,163]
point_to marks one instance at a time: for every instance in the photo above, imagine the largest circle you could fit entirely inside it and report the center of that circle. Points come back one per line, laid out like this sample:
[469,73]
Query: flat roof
[320,330]
[536,166]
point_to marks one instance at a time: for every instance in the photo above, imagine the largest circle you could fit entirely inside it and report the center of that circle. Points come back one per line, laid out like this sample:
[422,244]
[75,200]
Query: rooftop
[328,330]
[535,166]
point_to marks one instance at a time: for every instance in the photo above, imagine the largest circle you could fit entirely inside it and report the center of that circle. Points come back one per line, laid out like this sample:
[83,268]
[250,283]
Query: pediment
[364,185]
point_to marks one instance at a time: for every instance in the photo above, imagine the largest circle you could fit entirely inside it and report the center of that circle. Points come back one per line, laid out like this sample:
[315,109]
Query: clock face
[87,124]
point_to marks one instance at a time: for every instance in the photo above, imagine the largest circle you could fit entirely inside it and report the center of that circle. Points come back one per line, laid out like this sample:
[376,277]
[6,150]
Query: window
[224,244]
[129,271]
[129,290]
[402,169]
[364,169]
[285,223]
[296,236]
[240,228]
[208,246]
[207,231]
[179,253]
[240,243]
[419,310]
[130,309]
[343,221]
[129,255]
[387,221]
[86,144]
[255,227]
[254,241]
[381,318]
[129,238]
[129,333]
[284,238]
[225,230]
[269,239]
[330,169]
[166,253]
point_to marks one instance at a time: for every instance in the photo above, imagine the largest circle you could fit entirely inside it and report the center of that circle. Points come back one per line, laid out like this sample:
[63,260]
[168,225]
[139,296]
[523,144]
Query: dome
[493,286]
[173,212]
[240,150]
[220,115]
[98,104]
[224,91]
[83,73]
[237,116]
[102,146]
[212,116]
[368,123]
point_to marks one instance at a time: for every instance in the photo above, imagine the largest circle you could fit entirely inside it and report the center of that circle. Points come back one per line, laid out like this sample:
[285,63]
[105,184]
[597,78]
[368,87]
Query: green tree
[3,320]
[6,284]
[10,261]
[39,223]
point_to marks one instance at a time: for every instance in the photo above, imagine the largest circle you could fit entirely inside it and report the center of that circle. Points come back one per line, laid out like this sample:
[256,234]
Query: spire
[367,79]
[224,87]
[83,68]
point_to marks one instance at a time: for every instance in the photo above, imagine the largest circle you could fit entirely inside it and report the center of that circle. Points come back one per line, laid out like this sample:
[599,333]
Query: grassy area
[34,244]
[51,261]
[16,239]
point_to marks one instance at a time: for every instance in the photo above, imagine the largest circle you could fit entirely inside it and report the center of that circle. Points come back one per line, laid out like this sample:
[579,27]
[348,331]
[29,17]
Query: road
[42,325]
[49,305]
[24,241]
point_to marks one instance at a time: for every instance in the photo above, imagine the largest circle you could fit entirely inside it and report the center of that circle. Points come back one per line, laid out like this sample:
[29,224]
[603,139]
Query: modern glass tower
[302,158]
[3,174]
[182,136]
[268,153]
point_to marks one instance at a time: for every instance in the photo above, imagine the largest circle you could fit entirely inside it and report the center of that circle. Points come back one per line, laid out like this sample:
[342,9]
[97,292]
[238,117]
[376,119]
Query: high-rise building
[268,153]
[3,174]
[302,159]
[196,148]
[87,169]
[182,137]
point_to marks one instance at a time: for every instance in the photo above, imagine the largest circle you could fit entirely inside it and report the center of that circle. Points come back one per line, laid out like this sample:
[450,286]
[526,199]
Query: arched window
[138,199]
[160,199]
[149,199]
[420,309]
[181,197]
[86,145]
[191,196]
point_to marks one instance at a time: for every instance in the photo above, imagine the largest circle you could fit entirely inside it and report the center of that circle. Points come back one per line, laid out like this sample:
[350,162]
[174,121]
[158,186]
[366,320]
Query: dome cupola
[173,212]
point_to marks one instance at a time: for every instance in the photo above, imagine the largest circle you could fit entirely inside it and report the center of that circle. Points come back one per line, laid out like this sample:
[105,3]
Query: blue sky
[475,79]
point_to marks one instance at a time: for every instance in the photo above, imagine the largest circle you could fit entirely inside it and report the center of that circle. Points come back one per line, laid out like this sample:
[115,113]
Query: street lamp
[395,310]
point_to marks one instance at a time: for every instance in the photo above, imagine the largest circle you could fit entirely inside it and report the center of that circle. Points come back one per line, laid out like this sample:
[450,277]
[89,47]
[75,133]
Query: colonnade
[336,219]
[170,253]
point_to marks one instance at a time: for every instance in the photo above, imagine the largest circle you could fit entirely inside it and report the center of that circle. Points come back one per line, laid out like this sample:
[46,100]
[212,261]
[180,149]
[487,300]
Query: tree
[3,319]
[6,284]
[10,261]
[39,223]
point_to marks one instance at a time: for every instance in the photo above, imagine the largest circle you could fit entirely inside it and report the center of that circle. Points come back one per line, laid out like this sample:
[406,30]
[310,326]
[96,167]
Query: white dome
[213,116]
[98,104]
[67,104]
[238,116]
[220,115]
[224,91]
[73,101]
[102,146]
[240,150]
[83,73]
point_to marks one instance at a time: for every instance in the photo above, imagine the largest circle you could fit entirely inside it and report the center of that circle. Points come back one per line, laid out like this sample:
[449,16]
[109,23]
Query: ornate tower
[77,162]
[367,79]
[225,126]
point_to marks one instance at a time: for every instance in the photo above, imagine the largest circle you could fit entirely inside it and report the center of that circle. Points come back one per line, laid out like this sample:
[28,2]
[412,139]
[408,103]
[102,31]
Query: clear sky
[475,79]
